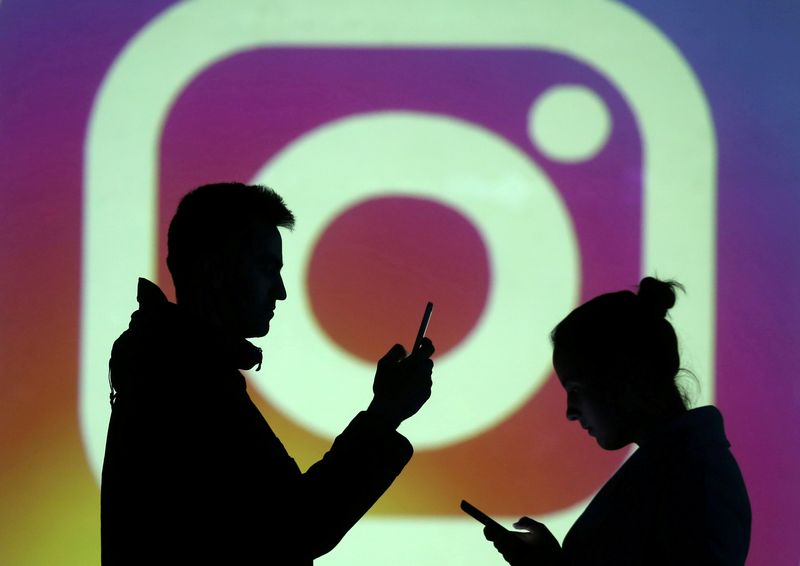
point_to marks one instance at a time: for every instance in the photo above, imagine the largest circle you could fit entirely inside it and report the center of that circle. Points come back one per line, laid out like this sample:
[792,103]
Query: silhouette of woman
[680,497]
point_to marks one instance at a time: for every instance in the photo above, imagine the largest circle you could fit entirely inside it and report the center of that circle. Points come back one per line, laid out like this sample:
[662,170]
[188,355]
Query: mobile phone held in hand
[423,326]
[479,515]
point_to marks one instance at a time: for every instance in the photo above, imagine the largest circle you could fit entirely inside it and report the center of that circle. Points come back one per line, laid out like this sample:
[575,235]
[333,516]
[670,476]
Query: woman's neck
[658,413]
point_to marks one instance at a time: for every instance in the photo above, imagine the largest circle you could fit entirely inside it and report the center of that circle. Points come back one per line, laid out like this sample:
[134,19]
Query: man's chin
[258,332]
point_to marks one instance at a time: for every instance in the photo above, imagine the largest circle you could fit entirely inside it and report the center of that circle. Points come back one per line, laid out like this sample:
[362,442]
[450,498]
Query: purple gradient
[745,59]
[53,56]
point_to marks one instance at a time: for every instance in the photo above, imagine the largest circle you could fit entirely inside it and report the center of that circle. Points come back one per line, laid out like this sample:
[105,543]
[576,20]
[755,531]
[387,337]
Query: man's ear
[210,273]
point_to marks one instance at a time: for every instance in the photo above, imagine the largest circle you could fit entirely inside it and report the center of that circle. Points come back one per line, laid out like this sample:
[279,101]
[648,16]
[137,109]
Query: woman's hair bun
[657,296]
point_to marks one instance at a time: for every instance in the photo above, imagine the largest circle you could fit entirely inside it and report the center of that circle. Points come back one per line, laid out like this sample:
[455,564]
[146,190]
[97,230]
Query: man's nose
[280,290]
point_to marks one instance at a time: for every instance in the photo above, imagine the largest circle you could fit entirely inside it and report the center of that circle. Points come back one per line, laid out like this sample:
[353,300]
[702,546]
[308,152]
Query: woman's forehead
[582,365]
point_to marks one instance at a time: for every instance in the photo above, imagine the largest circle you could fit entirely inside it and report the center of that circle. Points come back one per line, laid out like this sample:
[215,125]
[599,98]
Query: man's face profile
[258,285]
[242,284]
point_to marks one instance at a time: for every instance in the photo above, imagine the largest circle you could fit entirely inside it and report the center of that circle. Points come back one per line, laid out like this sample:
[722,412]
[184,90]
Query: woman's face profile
[594,402]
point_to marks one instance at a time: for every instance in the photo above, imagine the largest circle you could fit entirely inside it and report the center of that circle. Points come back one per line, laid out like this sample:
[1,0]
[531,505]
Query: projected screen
[505,164]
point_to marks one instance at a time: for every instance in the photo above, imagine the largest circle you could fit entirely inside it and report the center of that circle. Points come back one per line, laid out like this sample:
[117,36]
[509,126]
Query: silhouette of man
[193,474]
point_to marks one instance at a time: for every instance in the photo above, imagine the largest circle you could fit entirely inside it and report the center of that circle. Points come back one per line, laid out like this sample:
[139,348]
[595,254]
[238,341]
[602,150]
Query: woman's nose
[573,414]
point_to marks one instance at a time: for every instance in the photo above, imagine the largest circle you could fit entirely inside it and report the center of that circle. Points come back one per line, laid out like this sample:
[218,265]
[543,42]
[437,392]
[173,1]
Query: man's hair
[214,220]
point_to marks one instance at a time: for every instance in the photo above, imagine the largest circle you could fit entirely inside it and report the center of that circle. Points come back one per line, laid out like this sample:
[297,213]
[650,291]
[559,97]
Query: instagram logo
[506,171]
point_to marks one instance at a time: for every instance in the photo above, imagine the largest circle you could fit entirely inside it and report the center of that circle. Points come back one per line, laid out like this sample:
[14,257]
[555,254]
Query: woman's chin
[610,443]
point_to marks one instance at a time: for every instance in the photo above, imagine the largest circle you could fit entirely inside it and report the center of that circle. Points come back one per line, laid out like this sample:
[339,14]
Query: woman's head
[617,357]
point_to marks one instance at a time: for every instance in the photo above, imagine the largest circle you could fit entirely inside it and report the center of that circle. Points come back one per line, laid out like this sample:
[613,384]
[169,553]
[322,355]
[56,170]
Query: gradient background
[52,60]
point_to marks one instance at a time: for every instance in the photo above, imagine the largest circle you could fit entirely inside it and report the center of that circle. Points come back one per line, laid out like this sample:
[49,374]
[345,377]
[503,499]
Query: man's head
[225,255]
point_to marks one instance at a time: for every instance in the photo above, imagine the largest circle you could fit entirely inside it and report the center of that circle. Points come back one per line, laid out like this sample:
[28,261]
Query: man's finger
[426,367]
[422,351]
[492,534]
[425,349]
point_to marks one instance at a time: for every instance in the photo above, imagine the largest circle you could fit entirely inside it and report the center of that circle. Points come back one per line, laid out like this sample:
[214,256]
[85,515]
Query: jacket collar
[697,427]
[230,350]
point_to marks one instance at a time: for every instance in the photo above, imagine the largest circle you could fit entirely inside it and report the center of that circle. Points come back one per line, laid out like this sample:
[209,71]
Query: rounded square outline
[135,97]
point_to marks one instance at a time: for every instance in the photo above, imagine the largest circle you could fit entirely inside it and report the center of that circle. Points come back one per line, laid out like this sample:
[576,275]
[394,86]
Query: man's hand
[402,383]
[537,547]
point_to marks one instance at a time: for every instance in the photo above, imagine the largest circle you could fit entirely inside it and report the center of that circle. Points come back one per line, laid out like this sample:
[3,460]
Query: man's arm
[369,454]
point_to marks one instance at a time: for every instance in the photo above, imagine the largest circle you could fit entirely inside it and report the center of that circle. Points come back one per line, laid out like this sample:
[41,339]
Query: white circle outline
[506,358]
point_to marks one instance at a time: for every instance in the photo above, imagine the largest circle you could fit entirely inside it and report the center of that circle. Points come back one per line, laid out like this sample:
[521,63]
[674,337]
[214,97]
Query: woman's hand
[536,547]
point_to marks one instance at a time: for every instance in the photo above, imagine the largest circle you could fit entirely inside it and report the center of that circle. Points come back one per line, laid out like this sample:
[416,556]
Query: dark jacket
[679,499]
[193,474]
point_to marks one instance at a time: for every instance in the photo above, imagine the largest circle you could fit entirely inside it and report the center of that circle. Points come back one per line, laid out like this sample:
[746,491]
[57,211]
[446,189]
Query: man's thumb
[394,355]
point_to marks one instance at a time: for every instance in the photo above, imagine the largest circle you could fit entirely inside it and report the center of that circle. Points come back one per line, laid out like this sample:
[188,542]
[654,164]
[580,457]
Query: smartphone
[481,516]
[423,326]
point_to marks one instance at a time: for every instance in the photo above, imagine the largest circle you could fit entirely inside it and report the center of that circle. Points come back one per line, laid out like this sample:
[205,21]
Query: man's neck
[203,312]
